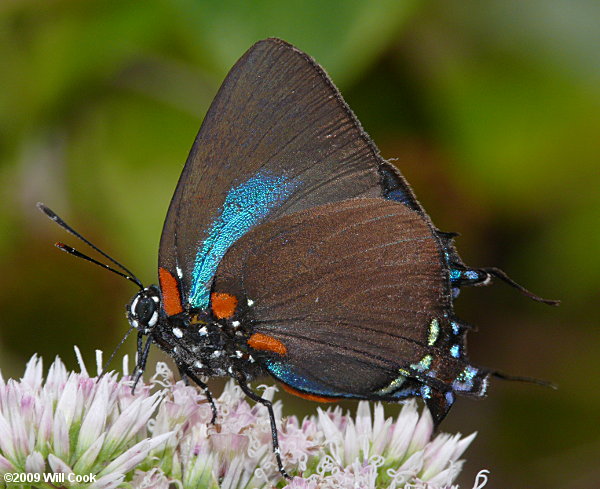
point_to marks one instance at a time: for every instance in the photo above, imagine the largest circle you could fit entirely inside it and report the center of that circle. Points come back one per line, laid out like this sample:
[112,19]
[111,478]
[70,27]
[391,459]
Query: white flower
[374,451]
[71,423]
[161,437]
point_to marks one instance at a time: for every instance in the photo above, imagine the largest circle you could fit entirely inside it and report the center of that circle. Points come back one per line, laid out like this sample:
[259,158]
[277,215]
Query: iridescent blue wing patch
[244,207]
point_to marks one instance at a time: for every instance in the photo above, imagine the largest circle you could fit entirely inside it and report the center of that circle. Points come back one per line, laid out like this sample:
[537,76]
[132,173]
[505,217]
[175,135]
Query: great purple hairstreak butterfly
[292,249]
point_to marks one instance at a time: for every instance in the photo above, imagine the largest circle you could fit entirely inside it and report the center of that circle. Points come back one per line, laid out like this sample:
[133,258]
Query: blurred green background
[491,108]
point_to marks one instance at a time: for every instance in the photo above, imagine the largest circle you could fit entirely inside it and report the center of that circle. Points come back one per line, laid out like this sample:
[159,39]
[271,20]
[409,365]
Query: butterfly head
[143,310]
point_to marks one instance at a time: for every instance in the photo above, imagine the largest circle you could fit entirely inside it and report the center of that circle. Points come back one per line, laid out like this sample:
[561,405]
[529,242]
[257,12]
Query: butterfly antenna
[72,251]
[496,272]
[529,380]
[78,254]
[112,355]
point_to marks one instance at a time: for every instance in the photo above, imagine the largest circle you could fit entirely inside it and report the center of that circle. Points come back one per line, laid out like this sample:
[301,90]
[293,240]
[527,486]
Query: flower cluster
[161,437]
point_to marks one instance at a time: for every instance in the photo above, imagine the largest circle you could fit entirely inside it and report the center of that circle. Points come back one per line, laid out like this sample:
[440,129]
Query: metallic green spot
[467,374]
[393,386]
[464,380]
[423,364]
[434,332]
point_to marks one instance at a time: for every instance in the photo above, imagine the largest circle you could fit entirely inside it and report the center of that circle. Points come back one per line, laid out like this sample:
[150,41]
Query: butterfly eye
[144,311]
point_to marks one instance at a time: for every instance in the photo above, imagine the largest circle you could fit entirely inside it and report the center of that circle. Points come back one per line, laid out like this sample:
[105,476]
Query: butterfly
[292,249]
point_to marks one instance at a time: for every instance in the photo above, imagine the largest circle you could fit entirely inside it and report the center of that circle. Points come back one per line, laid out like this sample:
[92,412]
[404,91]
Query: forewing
[350,289]
[278,138]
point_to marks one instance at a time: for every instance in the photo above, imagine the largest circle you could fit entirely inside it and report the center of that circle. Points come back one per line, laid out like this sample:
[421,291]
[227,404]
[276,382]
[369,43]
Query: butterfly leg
[112,355]
[241,378]
[143,351]
[204,387]
[184,376]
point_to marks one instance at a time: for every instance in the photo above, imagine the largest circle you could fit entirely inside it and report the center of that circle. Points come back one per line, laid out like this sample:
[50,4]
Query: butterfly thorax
[200,343]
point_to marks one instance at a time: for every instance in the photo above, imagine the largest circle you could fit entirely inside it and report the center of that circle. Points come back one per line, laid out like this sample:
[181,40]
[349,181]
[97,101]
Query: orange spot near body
[310,397]
[170,292]
[223,305]
[260,341]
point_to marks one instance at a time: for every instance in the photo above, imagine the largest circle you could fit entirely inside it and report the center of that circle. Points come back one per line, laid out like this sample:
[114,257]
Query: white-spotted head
[142,311]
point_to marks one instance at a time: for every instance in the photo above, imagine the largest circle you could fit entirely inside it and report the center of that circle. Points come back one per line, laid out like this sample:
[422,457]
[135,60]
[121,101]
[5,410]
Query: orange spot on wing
[305,395]
[264,342]
[171,298]
[223,305]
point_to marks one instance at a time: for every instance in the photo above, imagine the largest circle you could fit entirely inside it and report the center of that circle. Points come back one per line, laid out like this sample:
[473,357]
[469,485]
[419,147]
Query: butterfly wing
[356,292]
[278,138]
